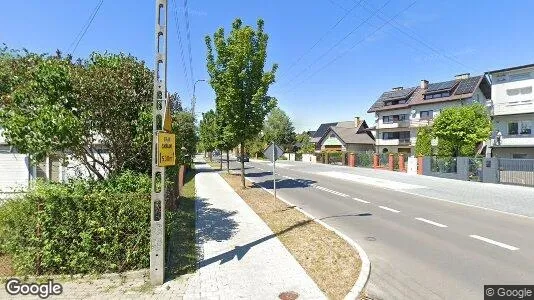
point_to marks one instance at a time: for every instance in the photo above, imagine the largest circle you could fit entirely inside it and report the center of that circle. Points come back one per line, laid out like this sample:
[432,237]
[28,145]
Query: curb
[359,286]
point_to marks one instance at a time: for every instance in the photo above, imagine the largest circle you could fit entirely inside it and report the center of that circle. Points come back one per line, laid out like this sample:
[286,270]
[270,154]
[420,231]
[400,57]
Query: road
[421,246]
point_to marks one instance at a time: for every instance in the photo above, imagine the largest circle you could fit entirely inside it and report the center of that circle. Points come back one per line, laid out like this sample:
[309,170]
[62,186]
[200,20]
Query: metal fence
[335,158]
[364,159]
[475,169]
[383,159]
[443,164]
[516,171]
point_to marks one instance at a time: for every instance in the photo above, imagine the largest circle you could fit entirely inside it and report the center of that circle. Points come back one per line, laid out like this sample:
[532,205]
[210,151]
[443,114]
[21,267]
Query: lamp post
[193,101]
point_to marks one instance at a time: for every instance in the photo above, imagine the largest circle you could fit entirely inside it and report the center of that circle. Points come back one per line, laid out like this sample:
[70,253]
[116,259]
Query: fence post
[490,170]
[375,161]
[401,163]
[391,162]
[352,160]
[420,165]
[462,168]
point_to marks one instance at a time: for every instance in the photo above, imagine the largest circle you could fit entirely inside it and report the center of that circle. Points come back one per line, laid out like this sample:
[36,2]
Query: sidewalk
[240,256]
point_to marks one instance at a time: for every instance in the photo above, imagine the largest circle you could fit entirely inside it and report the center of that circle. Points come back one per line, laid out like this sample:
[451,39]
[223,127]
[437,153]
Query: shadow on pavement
[258,174]
[348,215]
[287,183]
[214,224]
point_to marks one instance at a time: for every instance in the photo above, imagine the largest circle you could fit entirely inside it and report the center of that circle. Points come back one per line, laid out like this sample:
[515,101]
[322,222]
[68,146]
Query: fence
[383,160]
[475,169]
[364,159]
[516,171]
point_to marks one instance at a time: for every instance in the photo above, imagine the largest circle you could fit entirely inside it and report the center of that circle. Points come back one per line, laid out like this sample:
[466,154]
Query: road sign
[273,152]
[166,149]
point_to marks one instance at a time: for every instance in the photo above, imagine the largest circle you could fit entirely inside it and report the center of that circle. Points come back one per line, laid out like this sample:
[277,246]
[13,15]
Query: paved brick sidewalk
[241,257]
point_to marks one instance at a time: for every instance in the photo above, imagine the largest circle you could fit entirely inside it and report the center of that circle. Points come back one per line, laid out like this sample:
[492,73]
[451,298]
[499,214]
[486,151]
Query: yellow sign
[166,149]
[167,120]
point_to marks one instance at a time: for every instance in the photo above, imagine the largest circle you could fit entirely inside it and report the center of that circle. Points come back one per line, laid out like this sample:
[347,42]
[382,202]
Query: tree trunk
[242,164]
[227,161]
[221,161]
[210,156]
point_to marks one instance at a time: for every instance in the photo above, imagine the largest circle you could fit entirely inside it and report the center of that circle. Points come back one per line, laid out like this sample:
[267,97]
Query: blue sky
[431,40]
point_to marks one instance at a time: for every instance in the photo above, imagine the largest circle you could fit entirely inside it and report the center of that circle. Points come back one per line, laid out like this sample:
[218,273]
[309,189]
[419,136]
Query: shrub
[79,227]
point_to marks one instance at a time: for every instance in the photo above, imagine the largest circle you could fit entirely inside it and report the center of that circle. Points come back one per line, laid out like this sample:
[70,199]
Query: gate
[475,169]
[516,171]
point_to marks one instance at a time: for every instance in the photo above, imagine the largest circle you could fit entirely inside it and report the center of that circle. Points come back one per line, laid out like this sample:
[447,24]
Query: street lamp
[194,97]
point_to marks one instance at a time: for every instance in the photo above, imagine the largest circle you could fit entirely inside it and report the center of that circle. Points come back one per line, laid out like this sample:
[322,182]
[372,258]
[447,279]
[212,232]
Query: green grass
[182,251]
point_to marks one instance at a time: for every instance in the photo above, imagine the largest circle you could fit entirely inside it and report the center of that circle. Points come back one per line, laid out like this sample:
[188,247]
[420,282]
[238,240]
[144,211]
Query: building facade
[512,112]
[347,136]
[401,112]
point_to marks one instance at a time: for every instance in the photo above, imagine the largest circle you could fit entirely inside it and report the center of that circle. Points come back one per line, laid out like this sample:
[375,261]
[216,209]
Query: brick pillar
[420,165]
[402,168]
[391,162]
[352,160]
[375,161]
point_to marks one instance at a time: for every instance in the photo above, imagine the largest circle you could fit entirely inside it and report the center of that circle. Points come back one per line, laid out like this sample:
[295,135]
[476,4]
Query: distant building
[349,136]
[402,111]
[513,112]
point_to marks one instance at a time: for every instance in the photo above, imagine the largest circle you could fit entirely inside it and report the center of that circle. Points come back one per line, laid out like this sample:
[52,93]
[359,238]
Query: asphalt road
[419,247]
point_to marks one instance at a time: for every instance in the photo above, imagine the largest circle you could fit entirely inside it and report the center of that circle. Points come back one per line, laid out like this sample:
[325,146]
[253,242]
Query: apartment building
[512,112]
[400,113]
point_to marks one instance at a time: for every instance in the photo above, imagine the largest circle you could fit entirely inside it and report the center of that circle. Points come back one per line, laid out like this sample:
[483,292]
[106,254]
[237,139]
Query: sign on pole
[166,149]
[273,152]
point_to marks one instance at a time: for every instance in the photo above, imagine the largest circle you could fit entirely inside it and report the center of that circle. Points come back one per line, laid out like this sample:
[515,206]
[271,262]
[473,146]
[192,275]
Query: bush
[79,227]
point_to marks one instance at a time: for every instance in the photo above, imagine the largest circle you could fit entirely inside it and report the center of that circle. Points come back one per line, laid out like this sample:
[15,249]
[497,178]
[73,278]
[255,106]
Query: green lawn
[182,252]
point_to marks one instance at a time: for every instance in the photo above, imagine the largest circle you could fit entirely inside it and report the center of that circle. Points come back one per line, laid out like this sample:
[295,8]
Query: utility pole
[159,105]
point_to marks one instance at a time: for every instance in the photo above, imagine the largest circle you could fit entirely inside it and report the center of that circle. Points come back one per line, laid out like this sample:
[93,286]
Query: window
[402,135]
[520,76]
[332,135]
[394,118]
[513,128]
[519,155]
[525,127]
[426,114]
[523,91]
[437,95]
[386,119]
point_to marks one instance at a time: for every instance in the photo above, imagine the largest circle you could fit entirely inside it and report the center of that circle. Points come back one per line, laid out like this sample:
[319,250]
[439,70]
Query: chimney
[424,84]
[397,88]
[462,76]
[356,122]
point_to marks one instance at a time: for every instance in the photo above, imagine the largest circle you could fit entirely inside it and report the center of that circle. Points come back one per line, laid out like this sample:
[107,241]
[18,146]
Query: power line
[337,43]
[186,13]
[178,33]
[417,39]
[84,29]
[353,46]
[347,12]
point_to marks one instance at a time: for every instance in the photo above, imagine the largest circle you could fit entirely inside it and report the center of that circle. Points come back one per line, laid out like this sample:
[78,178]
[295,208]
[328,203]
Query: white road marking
[478,237]
[360,200]
[330,191]
[390,209]
[431,222]
[384,183]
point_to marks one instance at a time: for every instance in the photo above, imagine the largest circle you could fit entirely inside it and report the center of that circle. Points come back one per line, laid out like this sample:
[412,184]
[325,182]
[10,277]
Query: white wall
[75,169]
[505,104]
[15,172]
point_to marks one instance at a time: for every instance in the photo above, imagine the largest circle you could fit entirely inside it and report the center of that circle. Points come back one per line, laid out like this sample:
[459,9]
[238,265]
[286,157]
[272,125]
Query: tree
[306,146]
[226,138]
[39,108]
[279,129]
[208,138]
[423,145]
[237,75]
[183,126]
[256,145]
[461,128]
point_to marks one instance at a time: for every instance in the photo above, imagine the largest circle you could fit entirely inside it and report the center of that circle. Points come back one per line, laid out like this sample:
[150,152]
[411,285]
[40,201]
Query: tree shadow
[258,174]
[240,251]
[287,183]
[214,224]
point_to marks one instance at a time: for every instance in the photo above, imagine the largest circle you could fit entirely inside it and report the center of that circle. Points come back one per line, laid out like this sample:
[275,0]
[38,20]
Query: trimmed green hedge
[79,227]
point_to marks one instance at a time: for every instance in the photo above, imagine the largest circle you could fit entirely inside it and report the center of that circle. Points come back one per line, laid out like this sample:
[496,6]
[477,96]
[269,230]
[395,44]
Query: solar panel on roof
[400,94]
[467,86]
[441,86]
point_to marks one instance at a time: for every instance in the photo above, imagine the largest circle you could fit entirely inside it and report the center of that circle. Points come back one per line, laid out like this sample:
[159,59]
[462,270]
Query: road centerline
[361,200]
[389,209]
[431,222]
[490,241]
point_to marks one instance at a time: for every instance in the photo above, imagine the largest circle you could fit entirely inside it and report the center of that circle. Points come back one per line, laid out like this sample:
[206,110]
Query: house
[349,136]
[402,111]
[513,112]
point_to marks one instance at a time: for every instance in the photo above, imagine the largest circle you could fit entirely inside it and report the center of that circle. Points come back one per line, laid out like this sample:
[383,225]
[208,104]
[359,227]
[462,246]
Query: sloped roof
[458,89]
[351,135]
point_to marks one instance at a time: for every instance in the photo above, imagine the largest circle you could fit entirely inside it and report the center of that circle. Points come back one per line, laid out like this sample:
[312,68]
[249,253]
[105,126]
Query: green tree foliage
[208,132]
[256,146]
[423,146]
[39,106]
[279,129]
[183,126]
[306,146]
[461,128]
[236,69]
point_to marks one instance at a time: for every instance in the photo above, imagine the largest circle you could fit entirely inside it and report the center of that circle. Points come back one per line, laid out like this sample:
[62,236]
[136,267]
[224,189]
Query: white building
[402,111]
[513,112]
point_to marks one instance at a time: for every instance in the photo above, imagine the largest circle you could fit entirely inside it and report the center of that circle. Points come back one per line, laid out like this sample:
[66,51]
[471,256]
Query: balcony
[421,122]
[515,140]
[394,124]
[405,142]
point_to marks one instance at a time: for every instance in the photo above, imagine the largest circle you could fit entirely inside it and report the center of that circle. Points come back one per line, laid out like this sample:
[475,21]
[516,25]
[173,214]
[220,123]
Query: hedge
[79,227]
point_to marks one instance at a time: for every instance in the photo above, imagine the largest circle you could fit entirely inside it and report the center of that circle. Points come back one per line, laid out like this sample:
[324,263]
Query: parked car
[245,158]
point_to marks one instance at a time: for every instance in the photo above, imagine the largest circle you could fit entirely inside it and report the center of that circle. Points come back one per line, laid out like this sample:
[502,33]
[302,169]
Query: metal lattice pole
[157,221]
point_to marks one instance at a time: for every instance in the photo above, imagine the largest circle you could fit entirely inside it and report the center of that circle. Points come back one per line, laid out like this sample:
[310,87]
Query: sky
[335,57]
